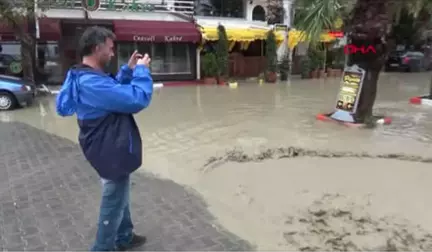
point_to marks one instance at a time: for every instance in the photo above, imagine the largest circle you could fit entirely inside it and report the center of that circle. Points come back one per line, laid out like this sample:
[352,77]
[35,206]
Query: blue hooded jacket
[104,105]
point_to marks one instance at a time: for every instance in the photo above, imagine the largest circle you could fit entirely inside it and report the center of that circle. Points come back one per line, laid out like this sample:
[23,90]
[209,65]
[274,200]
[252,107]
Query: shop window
[124,51]
[144,48]
[220,8]
[47,60]
[179,59]
[171,58]
[167,58]
[10,53]
[159,59]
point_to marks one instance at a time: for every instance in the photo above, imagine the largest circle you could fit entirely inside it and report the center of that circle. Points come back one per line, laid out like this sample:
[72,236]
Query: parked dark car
[15,91]
[409,61]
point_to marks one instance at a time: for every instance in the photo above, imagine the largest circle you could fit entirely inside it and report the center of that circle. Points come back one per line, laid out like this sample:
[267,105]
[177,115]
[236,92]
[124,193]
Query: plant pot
[221,81]
[305,75]
[210,80]
[271,77]
[283,76]
[314,74]
[330,72]
[337,72]
[322,73]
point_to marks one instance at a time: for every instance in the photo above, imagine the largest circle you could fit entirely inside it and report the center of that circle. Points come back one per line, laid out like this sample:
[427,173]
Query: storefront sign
[173,38]
[336,34]
[281,27]
[109,5]
[15,67]
[144,38]
[159,38]
[90,5]
[349,93]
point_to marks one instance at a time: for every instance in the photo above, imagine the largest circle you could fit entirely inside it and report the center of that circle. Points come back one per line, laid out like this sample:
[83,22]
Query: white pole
[36,19]
[283,50]
[198,63]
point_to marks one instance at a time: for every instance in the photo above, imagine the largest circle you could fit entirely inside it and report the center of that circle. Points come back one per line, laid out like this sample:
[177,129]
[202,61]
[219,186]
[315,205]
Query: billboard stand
[349,94]
[348,98]
[423,100]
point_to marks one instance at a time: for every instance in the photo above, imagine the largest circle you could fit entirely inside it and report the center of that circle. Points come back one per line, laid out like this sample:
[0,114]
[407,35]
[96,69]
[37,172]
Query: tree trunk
[430,89]
[28,55]
[369,27]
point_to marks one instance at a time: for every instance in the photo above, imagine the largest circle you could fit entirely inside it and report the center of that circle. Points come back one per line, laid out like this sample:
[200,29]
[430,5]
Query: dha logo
[353,49]
[91,5]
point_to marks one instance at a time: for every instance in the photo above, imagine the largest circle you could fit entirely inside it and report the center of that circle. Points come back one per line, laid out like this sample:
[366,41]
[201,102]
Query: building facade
[169,30]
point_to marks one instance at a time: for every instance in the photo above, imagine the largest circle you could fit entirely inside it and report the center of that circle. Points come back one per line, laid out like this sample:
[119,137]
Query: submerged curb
[421,100]
[326,118]
[47,90]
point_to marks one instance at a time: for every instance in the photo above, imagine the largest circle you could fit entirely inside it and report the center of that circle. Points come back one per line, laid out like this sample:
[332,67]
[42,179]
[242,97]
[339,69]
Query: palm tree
[17,14]
[366,22]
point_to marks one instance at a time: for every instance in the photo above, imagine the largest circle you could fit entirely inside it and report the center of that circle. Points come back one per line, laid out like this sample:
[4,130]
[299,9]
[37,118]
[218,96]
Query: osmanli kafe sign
[151,38]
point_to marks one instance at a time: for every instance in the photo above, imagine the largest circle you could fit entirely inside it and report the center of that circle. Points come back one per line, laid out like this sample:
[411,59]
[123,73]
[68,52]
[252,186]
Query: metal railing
[180,6]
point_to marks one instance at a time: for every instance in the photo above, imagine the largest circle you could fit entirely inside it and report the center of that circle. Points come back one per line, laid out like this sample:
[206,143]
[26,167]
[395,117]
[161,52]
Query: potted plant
[338,69]
[271,56]
[306,67]
[339,62]
[209,68]
[314,73]
[284,68]
[330,72]
[222,55]
[315,63]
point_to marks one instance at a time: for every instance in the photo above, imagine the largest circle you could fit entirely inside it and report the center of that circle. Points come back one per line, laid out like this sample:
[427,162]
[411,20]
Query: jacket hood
[67,99]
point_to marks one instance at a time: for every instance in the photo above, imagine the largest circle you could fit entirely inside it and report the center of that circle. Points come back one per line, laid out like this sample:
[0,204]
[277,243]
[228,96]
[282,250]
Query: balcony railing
[180,6]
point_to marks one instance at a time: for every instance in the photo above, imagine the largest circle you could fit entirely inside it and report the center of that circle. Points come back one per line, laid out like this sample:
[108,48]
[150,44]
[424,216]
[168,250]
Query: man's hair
[92,37]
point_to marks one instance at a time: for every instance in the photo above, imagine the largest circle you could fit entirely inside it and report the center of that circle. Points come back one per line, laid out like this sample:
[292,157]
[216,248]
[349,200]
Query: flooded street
[186,126]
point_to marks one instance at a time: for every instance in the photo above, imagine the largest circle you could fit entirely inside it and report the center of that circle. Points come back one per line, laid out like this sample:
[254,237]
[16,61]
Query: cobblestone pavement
[49,199]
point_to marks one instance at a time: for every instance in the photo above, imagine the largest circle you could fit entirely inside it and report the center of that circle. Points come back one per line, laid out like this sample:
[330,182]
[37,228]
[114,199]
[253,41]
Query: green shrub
[284,67]
[271,53]
[209,65]
[222,52]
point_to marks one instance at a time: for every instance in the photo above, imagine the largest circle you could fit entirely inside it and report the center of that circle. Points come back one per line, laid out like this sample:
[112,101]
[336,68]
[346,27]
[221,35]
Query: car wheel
[7,101]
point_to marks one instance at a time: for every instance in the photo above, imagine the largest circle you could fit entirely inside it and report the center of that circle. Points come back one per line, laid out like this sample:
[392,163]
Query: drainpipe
[86,17]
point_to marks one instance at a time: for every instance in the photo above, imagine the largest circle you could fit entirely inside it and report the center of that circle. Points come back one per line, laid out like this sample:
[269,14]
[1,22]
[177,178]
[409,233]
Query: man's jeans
[115,224]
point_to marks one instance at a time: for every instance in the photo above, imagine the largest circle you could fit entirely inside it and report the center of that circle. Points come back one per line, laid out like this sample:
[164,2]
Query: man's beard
[107,67]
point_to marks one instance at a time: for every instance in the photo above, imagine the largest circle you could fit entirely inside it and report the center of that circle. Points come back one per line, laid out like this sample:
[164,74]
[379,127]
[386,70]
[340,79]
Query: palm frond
[313,17]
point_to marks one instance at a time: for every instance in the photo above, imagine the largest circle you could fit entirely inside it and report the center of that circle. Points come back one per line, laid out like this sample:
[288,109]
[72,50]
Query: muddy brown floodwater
[275,176]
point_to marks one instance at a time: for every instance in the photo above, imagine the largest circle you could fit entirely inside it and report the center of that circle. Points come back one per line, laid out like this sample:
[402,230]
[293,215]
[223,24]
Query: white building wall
[250,5]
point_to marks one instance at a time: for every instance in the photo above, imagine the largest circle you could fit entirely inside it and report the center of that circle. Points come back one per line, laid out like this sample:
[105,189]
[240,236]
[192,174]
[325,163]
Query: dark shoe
[137,241]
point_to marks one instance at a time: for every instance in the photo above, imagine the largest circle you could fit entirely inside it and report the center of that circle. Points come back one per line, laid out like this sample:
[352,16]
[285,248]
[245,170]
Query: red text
[352,49]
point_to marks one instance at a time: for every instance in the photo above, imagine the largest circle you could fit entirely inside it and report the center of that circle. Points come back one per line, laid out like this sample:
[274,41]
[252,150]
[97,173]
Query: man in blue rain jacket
[109,136]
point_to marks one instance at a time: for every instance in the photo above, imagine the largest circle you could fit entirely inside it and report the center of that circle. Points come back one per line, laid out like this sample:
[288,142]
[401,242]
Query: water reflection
[195,122]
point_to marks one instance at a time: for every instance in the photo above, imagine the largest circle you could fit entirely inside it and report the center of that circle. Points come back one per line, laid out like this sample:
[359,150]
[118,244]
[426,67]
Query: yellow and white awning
[210,33]
[249,34]
[296,36]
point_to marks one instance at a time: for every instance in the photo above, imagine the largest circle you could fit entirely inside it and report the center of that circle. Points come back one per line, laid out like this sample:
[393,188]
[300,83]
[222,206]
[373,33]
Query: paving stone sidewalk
[49,199]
